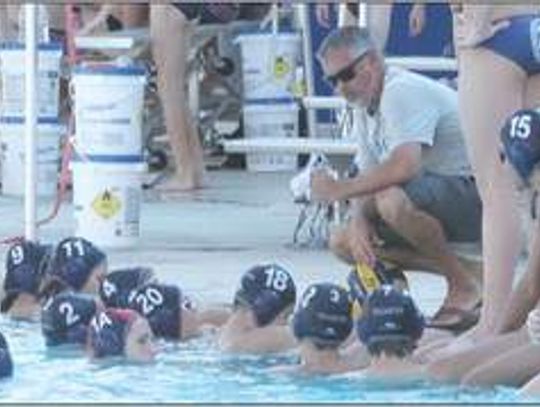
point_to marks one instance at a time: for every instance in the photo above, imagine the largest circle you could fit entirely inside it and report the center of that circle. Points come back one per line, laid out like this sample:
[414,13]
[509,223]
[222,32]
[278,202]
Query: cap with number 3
[324,315]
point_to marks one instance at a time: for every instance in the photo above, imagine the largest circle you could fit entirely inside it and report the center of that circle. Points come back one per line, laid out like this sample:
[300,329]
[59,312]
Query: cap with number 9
[26,263]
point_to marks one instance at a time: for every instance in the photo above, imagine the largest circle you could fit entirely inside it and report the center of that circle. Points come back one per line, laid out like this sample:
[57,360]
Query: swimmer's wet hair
[399,348]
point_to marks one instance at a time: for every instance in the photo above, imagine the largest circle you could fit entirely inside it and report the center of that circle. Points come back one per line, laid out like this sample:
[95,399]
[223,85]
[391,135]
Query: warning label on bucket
[281,67]
[106,204]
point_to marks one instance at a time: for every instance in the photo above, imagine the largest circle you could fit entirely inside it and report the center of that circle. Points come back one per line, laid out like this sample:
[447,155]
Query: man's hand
[417,19]
[361,245]
[322,12]
[324,187]
[533,326]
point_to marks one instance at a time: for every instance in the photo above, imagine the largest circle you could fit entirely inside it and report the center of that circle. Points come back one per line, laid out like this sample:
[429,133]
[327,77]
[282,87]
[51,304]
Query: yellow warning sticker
[281,67]
[106,204]
[368,277]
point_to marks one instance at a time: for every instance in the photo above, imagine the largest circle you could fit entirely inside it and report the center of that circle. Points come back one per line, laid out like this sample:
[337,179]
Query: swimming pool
[198,372]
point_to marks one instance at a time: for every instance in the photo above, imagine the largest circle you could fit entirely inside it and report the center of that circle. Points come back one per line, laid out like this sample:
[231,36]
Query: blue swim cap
[65,318]
[107,331]
[520,137]
[267,290]
[363,280]
[26,264]
[323,315]
[74,260]
[6,362]
[160,304]
[119,285]
[389,315]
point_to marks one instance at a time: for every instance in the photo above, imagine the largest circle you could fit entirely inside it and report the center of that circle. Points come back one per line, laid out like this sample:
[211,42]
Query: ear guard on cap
[6,362]
[520,137]
[323,315]
[108,332]
[65,318]
[74,260]
[390,315]
[118,285]
[363,280]
[160,304]
[267,290]
[26,263]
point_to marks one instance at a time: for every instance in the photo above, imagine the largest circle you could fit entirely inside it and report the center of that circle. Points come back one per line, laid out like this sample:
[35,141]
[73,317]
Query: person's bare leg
[483,109]
[171,36]
[452,368]
[426,235]
[531,388]
[511,368]
[133,15]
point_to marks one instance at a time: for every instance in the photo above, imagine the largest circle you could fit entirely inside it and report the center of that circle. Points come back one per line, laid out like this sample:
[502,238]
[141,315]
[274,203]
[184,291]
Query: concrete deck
[205,240]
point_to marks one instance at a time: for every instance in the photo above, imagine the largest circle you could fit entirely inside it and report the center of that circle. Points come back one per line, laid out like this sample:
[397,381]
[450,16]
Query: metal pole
[363,14]
[30,122]
[303,12]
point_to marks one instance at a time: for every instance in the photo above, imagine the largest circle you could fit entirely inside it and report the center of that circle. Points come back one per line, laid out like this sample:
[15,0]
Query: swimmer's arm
[527,292]
[402,165]
[357,355]
[215,316]
[264,340]
[99,20]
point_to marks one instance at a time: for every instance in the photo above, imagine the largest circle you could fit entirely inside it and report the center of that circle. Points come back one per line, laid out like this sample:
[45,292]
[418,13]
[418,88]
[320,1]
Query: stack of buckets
[12,128]
[269,66]
[108,163]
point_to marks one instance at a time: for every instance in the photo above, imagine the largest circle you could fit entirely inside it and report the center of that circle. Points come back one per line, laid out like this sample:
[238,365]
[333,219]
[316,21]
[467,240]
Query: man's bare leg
[427,237]
[171,36]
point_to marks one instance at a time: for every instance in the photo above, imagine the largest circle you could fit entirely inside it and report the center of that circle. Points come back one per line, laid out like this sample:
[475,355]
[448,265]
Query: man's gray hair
[354,37]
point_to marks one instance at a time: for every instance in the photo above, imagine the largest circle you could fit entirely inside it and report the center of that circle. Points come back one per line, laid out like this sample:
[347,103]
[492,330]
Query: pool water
[197,372]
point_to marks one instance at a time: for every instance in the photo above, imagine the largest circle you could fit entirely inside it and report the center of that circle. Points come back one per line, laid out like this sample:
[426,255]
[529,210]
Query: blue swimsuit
[519,42]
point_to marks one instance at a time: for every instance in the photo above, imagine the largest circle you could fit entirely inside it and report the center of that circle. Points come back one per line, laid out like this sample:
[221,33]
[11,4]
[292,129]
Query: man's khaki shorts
[453,200]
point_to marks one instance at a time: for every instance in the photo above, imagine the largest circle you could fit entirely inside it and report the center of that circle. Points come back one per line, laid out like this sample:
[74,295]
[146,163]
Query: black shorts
[453,200]
[222,13]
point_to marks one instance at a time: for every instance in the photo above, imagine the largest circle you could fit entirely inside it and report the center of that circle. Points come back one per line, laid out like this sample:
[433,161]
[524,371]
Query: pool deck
[205,240]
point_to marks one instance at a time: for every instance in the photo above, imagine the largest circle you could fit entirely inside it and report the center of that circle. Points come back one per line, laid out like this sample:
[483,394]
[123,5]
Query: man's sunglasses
[346,74]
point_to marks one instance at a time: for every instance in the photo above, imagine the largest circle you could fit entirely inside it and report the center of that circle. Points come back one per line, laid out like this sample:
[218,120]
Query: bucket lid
[110,69]
[109,158]
[42,46]
[270,101]
[261,34]
[21,120]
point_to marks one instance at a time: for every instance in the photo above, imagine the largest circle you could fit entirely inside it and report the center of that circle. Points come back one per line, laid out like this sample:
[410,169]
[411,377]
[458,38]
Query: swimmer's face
[94,280]
[355,78]
[140,345]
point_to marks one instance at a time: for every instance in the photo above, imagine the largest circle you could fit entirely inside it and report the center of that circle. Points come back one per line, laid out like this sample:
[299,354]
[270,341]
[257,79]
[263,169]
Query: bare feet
[175,183]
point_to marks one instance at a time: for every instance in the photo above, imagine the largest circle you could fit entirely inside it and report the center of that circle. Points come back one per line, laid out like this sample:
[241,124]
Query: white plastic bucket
[109,109]
[270,119]
[107,199]
[269,64]
[13,156]
[12,67]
